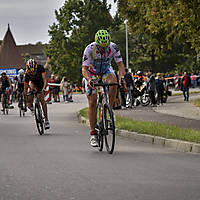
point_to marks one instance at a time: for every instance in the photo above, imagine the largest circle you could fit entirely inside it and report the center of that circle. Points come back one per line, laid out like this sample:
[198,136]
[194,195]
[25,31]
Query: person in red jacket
[185,84]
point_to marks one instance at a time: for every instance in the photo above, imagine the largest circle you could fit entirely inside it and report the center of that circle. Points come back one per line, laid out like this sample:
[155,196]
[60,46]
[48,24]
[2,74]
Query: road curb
[178,145]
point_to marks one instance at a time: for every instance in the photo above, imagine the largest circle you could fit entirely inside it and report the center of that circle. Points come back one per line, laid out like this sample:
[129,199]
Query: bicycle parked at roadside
[105,118]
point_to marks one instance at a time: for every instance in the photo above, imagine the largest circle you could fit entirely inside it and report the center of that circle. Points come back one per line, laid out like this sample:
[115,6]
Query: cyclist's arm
[121,70]
[86,75]
[44,79]
[26,83]
[10,83]
[85,72]
[25,87]
[86,61]
[15,85]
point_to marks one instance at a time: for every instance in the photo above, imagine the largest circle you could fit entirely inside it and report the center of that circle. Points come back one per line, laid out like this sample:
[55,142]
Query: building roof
[32,49]
[9,54]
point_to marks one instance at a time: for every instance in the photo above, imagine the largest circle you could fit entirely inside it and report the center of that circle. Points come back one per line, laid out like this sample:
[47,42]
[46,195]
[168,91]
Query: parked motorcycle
[140,94]
[166,92]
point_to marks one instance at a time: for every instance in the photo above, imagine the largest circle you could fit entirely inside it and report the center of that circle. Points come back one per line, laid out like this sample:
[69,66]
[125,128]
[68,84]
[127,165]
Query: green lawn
[181,93]
[197,102]
[153,128]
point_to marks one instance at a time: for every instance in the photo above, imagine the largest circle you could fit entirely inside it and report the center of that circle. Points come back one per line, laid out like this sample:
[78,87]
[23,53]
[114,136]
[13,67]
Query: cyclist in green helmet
[97,59]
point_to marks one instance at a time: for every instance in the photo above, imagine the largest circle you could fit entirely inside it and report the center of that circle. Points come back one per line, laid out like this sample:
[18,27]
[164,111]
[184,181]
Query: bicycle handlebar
[101,84]
[105,84]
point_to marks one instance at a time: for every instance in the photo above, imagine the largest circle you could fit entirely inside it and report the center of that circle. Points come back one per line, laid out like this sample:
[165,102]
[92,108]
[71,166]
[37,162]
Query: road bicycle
[105,118]
[5,102]
[39,116]
[21,104]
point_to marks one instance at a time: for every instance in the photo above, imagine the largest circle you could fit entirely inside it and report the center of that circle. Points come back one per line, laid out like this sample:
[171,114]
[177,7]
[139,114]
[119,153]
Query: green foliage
[77,23]
[163,35]
[170,29]
[165,22]
[26,57]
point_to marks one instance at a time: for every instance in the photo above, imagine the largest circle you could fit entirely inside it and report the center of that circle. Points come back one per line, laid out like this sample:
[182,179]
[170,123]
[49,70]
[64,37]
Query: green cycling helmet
[102,38]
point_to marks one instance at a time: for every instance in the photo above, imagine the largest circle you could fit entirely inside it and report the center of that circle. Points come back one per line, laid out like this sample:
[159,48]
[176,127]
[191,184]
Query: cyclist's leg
[30,97]
[39,88]
[111,78]
[92,101]
[2,101]
[17,96]
[9,96]
[25,102]
[44,105]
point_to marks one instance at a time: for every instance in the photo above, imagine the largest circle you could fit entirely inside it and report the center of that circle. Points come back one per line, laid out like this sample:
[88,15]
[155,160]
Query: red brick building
[9,55]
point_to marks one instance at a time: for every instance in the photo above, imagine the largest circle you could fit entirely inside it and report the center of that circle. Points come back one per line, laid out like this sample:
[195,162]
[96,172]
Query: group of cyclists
[33,78]
[96,64]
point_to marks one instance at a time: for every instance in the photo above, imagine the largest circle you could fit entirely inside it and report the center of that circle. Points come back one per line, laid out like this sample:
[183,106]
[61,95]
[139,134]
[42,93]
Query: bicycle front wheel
[39,119]
[99,127]
[109,128]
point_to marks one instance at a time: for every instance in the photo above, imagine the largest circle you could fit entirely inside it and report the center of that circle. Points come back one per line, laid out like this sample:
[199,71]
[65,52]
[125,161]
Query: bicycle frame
[106,117]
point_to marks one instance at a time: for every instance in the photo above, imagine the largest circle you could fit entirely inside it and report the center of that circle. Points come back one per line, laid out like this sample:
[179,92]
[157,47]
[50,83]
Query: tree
[165,25]
[77,23]
[165,22]
[26,57]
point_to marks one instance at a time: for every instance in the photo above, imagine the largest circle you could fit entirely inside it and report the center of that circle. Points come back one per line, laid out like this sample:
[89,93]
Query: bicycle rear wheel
[39,119]
[109,128]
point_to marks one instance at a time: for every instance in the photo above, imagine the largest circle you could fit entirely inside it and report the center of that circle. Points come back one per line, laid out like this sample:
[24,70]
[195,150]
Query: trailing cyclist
[19,85]
[35,78]
[97,63]
[6,86]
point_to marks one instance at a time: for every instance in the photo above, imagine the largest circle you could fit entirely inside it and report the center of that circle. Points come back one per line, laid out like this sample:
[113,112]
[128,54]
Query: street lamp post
[126,25]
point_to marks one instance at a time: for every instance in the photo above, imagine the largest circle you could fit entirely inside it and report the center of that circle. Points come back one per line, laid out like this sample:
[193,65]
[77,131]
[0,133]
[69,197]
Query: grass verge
[153,128]
[197,102]
[181,93]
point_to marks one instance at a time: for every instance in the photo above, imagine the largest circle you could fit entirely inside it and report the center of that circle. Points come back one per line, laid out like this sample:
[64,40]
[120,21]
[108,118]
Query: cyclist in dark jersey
[6,85]
[19,85]
[35,78]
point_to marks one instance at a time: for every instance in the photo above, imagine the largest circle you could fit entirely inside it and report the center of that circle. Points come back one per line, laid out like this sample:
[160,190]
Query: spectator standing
[122,90]
[130,85]
[193,80]
[51,87]
[57,90]
[185,84]
[65,89]
[159,88]
[151,87]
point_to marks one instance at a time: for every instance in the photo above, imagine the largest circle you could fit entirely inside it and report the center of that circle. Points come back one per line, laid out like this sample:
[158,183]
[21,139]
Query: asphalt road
[62,166]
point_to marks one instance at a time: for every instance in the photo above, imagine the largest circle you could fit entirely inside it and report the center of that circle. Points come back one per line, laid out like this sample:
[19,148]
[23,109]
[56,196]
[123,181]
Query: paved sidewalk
[177,107]
[174,112]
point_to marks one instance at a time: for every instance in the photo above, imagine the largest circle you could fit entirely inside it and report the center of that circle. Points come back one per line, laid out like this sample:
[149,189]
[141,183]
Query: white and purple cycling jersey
[99,63]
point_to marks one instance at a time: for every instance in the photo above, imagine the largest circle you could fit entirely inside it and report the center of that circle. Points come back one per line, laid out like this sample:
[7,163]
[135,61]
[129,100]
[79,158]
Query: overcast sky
[30,19]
